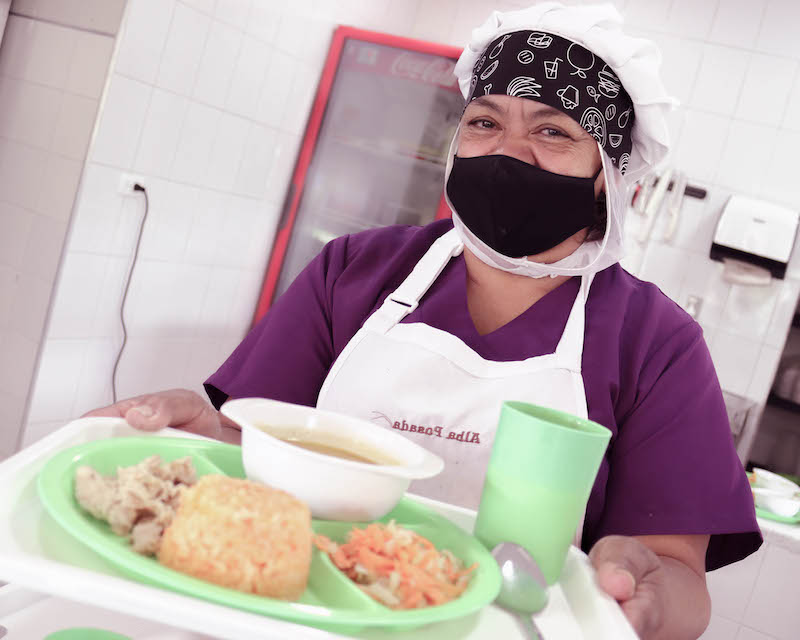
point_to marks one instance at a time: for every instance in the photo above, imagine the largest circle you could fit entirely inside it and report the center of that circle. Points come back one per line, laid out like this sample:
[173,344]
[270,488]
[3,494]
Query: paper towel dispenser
[757,233]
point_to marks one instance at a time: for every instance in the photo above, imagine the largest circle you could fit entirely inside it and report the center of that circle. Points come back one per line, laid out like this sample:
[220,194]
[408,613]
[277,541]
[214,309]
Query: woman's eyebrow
[483,101]
[545,111]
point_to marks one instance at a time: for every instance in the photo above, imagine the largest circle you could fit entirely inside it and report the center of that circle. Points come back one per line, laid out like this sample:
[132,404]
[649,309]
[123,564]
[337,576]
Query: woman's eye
[553,133]
[482,123]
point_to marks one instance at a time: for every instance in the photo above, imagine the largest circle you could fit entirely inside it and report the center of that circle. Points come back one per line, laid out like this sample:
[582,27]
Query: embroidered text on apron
[435,390]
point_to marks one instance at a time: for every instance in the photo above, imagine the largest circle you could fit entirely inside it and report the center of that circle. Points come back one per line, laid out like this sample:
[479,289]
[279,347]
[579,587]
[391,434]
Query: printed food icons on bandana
[565,75]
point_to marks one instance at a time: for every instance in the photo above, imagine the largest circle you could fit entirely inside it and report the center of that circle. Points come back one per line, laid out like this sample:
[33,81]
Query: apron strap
[570,347]
[406,297]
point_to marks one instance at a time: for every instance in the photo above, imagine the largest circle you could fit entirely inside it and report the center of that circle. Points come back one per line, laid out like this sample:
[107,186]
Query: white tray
[37,557]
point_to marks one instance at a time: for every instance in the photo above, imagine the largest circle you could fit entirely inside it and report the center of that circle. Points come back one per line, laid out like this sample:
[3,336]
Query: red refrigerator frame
[295,187]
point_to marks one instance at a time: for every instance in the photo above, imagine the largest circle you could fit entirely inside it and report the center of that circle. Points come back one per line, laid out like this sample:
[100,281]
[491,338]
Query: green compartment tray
[330,601]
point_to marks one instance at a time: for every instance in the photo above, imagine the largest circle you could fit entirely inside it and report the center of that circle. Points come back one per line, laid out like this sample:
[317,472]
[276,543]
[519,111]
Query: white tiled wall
[199,110]
[755,599]
[734,65]
[51,79]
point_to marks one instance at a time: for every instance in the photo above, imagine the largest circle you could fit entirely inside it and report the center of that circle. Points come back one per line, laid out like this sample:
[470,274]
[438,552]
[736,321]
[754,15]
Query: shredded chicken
[140,501]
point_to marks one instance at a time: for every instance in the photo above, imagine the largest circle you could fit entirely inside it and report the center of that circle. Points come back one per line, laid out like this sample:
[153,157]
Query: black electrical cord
[136,187]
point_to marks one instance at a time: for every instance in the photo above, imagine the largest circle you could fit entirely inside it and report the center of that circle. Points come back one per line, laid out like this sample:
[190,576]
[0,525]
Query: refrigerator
[374,150]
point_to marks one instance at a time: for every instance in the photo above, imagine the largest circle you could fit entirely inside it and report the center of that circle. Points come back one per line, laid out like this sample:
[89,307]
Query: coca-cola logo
[431,70]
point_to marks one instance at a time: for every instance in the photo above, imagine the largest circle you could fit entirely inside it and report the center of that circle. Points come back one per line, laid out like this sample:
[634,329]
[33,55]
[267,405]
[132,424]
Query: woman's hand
[659,582]
[177,408]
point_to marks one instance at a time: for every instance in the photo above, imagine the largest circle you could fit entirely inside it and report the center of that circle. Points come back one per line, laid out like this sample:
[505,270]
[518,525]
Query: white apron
[435,390]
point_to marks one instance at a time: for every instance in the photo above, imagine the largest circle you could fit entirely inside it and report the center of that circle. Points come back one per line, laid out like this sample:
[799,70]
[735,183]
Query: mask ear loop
[452,151]
[606,186]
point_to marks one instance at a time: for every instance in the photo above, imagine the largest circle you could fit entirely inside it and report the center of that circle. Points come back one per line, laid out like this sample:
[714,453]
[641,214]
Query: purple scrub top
[671,465]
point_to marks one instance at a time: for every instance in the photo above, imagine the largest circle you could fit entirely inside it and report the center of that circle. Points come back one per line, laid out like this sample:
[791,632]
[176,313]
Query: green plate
[330,601]
[768,515]
[85,633]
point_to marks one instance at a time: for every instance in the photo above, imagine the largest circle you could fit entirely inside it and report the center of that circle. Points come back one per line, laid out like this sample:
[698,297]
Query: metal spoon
[524,589]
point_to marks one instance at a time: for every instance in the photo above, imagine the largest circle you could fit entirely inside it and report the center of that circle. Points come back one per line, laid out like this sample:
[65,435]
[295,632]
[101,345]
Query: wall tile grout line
[239,59]
[63,25]
[787,103]
[200,102]
[712,22]
[276,199]
[761,19]
[738,101]
[163,44]
[202,52]
[158,71]
[752,586]
[49,86]
[138,145]
[193,8]
[651,32]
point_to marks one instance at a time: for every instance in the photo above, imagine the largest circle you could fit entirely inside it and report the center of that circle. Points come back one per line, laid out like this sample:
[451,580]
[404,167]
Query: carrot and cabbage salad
[398,567]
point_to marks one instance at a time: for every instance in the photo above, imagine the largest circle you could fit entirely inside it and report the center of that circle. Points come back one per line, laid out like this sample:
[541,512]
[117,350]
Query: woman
[427,330]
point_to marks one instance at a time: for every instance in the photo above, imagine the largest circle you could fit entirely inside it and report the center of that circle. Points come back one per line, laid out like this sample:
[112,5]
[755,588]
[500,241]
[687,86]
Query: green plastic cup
[540,474]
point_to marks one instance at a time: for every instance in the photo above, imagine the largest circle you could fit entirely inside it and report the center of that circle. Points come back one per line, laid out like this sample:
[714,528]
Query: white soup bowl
[775,493]
[334,488]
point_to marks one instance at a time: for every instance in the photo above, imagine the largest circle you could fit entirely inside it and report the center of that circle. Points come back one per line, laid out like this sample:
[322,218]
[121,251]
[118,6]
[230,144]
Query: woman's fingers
[645,610]
[616,581]
[629,572]
[179,408]
[145,412]
[149,416]
[205,423]
[622,562]
[118,409]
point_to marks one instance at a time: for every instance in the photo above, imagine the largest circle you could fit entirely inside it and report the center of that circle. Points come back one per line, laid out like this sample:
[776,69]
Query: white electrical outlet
[126,183]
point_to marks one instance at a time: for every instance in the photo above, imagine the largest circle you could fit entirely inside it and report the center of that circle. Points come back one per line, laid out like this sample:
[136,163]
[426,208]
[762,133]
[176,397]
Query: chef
[427,330]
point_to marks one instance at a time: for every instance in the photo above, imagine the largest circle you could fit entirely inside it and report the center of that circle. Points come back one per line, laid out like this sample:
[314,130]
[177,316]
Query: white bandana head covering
[636,63]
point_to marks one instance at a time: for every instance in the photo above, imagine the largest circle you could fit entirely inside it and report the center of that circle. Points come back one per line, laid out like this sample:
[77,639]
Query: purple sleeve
[287,354]
[673,467]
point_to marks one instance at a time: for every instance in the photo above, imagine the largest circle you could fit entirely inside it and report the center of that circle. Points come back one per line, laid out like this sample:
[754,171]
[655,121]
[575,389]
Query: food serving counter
[56,582]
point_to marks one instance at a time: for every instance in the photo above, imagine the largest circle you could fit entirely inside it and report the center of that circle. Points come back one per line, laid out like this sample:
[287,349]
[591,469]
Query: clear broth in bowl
[329,449]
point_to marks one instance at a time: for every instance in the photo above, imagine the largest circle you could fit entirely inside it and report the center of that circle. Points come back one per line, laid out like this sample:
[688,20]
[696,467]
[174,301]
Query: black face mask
[517,208]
